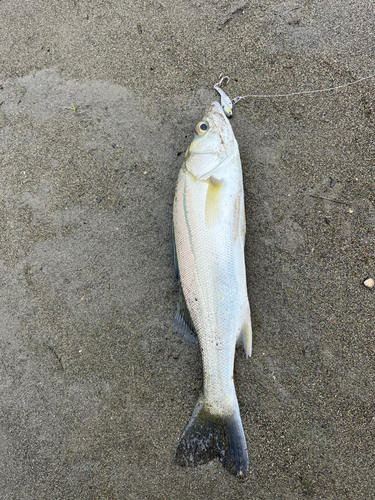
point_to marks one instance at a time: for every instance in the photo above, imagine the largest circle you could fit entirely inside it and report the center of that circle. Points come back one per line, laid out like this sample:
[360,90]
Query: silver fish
[209,236]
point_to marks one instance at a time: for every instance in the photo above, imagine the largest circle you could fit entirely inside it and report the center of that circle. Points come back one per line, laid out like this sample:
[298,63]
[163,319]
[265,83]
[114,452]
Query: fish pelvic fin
[208,436]
[245,336]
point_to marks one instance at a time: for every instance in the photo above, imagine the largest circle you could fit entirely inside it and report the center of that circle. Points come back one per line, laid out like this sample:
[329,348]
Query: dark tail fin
[207,436]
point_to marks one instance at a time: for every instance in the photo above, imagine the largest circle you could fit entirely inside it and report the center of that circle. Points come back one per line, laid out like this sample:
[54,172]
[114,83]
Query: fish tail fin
[208,435]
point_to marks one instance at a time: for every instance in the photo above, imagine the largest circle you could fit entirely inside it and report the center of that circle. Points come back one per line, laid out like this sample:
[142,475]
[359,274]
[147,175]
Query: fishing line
[224,102]
[238,98]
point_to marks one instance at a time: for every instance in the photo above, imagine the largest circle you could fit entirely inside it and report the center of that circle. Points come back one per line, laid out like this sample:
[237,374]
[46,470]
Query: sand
[98,102]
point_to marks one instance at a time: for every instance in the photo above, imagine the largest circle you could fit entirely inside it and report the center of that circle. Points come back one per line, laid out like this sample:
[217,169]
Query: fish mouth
[219,148]
[218,113]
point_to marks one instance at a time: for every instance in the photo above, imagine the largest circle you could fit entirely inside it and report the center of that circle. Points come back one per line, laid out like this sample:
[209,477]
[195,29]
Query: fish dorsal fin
[174,253]
[183,323]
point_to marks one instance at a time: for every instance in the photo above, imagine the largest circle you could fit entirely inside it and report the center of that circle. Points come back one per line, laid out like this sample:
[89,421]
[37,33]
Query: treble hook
[225,101]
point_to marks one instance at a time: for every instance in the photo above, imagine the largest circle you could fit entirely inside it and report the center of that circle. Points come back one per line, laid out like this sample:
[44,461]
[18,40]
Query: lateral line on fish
[191,239]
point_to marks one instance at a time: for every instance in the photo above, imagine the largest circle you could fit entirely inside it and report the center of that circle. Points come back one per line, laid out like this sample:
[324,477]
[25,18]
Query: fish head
[213,143]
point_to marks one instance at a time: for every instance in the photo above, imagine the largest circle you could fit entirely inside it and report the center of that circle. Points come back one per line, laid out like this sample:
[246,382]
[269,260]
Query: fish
[208,245]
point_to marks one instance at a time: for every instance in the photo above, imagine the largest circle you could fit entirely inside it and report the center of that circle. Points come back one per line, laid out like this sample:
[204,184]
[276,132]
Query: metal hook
[222,78]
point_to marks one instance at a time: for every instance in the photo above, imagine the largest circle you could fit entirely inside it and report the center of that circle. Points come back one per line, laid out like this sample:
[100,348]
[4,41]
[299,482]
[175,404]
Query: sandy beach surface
[98,103]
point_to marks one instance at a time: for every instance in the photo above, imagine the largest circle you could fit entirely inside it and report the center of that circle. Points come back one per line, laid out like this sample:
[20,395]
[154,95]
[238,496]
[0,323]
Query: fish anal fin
[244,338]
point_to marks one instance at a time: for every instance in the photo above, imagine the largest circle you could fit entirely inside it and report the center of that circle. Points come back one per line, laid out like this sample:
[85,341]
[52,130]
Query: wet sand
[98,103]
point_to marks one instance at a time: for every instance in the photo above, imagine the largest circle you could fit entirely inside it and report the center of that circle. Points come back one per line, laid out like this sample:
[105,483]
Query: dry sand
[95,386]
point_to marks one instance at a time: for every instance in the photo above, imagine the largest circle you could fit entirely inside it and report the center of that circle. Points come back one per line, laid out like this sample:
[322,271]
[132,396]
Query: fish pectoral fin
[215,181]
[244,338]
[183,324]
[213,199]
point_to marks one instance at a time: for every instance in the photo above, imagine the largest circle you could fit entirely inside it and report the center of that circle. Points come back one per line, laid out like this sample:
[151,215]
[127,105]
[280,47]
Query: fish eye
[201,128]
